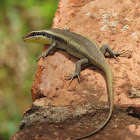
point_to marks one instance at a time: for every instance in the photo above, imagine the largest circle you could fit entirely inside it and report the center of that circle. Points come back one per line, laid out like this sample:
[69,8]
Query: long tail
[109,76]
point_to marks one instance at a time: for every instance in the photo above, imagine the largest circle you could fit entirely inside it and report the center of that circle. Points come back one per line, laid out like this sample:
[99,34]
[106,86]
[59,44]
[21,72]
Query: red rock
[114,27]
[135,129]
[112,22]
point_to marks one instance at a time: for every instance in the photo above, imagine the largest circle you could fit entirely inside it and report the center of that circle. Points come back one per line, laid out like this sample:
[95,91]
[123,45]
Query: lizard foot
[72,76]
[123,52]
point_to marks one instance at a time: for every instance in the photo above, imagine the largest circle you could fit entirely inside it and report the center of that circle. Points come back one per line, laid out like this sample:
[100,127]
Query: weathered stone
[112,22]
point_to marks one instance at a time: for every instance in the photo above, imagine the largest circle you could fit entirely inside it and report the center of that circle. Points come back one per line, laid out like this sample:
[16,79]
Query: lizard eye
[32,34]
[37,33]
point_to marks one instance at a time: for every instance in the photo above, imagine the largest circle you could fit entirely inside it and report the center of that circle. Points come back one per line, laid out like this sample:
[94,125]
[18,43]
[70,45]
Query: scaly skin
[83,48]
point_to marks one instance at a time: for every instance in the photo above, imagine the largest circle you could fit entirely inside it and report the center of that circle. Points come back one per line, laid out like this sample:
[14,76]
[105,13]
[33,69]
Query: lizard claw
[37,59]
[116,58]
[72,76]
[123,52]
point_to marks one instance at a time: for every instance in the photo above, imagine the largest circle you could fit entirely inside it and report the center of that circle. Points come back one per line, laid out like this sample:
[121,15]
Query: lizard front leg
[52,46]
[77,69]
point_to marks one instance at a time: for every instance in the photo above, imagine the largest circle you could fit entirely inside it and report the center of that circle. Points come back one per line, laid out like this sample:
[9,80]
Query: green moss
[18,59]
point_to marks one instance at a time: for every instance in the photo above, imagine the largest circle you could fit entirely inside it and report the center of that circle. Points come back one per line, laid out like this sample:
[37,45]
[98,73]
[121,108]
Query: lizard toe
[72,76]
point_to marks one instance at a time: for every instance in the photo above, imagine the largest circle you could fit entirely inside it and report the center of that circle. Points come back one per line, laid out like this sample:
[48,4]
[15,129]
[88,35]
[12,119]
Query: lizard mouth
[29,35]
[32,34]
[24,37]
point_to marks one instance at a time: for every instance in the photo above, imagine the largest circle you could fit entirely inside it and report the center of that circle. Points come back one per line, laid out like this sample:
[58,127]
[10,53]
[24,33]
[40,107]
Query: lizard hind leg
[77,70]
[105,48]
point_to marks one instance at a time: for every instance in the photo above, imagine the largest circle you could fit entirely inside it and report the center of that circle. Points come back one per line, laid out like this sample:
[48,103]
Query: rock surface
[112,22]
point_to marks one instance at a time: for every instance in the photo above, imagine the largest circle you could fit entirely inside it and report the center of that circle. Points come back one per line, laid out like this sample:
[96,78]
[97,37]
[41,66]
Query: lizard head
[37,36]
